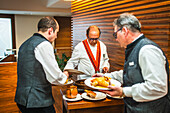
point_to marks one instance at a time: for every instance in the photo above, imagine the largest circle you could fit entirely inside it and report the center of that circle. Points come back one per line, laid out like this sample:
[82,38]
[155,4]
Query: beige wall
[25,26]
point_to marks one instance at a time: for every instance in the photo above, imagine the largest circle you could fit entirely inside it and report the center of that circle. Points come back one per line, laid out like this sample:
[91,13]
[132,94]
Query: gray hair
[128,20]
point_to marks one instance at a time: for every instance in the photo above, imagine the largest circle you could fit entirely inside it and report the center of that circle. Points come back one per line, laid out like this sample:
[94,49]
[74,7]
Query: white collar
[138,37]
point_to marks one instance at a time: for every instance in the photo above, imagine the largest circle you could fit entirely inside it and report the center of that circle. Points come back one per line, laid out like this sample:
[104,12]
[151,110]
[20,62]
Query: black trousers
[49,109]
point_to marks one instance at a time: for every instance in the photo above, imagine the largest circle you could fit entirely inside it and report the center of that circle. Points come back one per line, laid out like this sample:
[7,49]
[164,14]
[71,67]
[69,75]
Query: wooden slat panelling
[64,36]
[153,14]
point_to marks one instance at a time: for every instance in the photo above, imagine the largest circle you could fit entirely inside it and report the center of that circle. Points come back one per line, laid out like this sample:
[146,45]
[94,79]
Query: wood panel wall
[153,14]
[8,83]
[63,42]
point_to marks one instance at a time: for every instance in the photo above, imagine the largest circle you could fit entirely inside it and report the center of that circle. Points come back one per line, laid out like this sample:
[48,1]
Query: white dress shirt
[155,86]
[44,53]
[81,59]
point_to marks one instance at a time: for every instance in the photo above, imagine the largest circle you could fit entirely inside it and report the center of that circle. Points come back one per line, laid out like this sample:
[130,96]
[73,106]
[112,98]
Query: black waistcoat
[33,89]
[132,75]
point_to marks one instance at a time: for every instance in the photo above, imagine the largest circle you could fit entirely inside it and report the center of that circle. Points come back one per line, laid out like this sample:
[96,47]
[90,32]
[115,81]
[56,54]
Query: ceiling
[36,7]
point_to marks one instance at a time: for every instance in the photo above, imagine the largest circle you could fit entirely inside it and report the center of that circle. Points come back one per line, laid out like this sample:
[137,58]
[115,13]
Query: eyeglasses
[115,33]
[92,39]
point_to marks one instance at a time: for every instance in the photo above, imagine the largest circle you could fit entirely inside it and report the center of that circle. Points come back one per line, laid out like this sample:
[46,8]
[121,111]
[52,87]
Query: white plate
[113,81]
[73,99]
[69,82]
[116,97]
[99,96]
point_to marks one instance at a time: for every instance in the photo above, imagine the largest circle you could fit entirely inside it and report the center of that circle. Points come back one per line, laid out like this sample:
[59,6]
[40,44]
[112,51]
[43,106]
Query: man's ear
[86,35]
[125,31]
[50,31]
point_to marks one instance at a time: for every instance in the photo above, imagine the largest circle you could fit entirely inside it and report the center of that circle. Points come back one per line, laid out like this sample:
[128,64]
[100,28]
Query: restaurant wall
[25,26]
[63,42]
[153,14]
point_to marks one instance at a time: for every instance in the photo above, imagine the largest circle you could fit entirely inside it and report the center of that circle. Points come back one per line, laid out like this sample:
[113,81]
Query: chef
[89,56]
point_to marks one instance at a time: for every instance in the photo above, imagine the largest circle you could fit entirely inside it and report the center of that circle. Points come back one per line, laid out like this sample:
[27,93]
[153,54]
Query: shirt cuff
[127,91]
[108,75]
[60,81]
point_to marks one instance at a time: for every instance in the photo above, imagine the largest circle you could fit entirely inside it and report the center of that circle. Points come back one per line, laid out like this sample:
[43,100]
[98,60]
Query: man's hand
[66,73]
[115,91]
[105,69]
[97,75]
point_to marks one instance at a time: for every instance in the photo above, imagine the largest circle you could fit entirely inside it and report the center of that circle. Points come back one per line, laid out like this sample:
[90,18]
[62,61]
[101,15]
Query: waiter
[90,55]
[145,76]
[37,69]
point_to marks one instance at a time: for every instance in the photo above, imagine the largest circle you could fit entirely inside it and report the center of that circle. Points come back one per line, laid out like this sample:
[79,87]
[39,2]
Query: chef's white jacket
[81,59]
